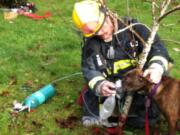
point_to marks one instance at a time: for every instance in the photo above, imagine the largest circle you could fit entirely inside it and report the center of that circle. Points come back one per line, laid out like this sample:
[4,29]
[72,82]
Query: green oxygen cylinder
[39,97]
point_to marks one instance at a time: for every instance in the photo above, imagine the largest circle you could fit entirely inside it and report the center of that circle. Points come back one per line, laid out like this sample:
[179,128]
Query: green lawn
[34,53]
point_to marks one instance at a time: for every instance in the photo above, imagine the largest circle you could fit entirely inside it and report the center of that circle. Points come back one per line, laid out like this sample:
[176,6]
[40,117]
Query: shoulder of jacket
[91,43]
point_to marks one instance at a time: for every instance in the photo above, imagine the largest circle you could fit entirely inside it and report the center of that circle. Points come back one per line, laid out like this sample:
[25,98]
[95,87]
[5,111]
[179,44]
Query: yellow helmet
[88,17]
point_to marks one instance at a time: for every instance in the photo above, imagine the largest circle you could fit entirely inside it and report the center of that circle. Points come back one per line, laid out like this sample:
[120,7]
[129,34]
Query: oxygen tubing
[65,77]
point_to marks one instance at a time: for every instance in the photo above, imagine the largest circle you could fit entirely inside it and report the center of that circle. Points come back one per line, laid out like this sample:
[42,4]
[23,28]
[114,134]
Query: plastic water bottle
[39,96]
[107,107]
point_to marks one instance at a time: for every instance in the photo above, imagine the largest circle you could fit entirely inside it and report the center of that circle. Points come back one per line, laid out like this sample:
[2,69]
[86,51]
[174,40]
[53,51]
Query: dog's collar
[151,94]
[153,90]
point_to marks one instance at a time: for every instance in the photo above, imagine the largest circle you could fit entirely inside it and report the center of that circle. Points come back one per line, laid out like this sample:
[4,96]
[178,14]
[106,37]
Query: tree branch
[169,40]
[169,12]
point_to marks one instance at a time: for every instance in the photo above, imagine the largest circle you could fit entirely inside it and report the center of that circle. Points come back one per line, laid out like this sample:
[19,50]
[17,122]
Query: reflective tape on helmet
[93,81]
[162,59]
[123,64]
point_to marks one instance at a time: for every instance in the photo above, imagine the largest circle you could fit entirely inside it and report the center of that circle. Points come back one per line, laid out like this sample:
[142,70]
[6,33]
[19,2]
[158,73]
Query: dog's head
[134,80]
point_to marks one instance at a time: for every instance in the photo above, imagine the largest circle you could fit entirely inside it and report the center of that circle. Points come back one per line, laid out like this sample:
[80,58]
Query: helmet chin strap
[108,40]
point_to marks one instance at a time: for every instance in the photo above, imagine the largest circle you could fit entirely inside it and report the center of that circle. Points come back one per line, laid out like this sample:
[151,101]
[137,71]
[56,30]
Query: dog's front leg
[172,126]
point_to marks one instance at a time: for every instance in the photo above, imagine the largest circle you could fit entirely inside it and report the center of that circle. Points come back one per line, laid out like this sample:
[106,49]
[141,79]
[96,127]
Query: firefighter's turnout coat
[111,60]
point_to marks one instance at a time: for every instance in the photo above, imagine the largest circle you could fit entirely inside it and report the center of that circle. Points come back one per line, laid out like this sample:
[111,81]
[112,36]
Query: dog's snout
[126,79]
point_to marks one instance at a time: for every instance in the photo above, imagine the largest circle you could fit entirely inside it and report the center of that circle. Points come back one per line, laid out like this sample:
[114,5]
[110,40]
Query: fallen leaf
[30,83]
[13,80]
[176,49]
[36,124]
[14,114]
[67,106]
[4,94]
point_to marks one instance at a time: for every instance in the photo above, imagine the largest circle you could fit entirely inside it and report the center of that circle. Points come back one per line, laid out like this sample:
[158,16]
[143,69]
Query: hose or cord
[66,77]
[84,101]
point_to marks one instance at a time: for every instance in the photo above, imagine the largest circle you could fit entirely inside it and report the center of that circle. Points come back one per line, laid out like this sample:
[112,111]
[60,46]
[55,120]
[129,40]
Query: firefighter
[107,55]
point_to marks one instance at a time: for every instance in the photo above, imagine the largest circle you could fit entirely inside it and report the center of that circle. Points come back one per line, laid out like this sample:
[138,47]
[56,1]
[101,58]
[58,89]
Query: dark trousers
[136,116]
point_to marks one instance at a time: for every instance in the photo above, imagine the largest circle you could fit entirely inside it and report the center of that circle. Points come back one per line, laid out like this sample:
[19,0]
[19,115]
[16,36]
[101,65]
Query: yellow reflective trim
[123,64]
[109,71]
[104,74]
[93,81]
[162,59]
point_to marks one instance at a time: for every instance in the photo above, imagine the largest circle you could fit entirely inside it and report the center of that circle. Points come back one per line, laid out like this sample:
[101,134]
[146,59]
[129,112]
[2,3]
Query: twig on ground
[169,40]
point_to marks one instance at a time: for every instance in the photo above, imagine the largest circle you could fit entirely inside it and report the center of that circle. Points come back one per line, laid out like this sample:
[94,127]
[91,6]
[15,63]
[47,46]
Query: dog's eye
[140,78]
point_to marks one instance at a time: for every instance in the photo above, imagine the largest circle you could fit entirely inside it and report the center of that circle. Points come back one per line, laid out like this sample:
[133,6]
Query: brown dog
[167,95]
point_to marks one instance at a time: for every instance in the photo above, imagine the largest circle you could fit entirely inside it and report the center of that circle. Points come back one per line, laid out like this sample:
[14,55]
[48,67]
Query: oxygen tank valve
[18,107]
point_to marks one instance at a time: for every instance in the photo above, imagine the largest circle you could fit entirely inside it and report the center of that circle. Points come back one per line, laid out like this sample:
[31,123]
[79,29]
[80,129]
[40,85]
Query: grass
[34,53]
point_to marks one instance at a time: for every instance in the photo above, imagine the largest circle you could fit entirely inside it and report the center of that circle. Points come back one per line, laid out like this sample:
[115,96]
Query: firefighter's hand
[107,88]
[154,73]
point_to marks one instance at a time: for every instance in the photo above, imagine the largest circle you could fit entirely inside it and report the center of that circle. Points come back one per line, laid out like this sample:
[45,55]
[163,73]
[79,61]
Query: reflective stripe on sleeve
[162,59]
[93,81]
